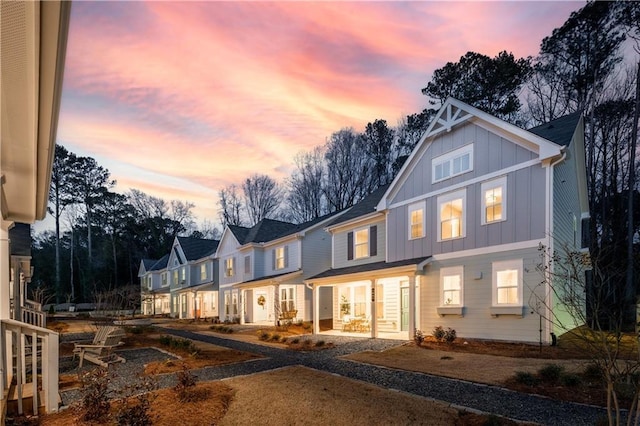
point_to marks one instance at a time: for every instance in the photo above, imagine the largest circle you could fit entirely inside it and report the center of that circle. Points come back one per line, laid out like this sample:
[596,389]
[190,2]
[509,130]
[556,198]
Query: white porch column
[419,283]
[315,299]
[5,270]
[412,306]
[241,306]
[374,314]
[276,304]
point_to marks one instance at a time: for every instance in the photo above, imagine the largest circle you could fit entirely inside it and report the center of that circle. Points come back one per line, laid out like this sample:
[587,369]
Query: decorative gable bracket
[448,117]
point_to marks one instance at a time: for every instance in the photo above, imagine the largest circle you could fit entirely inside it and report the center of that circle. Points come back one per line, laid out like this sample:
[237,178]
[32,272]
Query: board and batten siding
[477,321]
[566,202]
[341,246]
[316,252]
[525,212]
[491,153]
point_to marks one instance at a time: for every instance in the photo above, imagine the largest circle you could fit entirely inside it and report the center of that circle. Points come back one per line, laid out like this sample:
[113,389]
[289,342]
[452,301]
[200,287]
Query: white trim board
[488,250]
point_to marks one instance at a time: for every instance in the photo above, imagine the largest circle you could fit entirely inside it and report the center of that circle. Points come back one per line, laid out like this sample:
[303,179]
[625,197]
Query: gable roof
[560,130]
[366,206]
[197,248]
[267,230]
[239,232]
[160,264]
[148,263]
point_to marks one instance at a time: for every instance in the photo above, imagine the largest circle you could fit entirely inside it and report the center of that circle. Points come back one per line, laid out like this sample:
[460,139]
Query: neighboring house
[191,272]
[34,38]
[262,269]
[458,231]
[154,286]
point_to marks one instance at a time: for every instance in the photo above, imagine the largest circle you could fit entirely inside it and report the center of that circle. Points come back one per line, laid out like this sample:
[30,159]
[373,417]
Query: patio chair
[346,323]
[364,325]
[99,351]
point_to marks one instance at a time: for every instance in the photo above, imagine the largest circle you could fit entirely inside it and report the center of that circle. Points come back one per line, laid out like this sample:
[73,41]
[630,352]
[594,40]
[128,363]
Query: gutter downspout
[549,231]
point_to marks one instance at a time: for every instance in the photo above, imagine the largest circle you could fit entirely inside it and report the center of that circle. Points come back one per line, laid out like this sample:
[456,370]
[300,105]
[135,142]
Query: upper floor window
[494,198]
[203,272]
[507,283]
[247,264]
[451,280]
[175,277]
[164,278]
[452,163]
[229,264]
[279,258]
[183,273]
[416,220]
[451,215]
[362,243]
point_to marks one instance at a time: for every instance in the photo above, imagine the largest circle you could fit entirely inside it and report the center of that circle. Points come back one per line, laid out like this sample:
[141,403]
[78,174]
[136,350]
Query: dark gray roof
[365,267]
[197,248]
[364,207]
[148,263]
[20,239]
[560,130]
[160,264]
[240,232]
[267,230]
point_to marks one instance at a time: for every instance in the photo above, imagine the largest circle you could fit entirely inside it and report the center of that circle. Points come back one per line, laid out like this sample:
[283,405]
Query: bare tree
[230,205]
[579,306]
[305,199]
[348,168]
[262,197]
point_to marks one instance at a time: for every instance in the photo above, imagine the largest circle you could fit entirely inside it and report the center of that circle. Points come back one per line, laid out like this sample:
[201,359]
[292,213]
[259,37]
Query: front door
[260,307]
[404,309]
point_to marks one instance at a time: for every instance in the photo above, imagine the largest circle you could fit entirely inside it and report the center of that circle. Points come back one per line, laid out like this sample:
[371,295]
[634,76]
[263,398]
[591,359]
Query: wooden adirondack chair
[99,351]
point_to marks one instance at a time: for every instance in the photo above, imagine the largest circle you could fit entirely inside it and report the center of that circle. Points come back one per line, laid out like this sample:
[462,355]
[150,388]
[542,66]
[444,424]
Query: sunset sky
[180,99]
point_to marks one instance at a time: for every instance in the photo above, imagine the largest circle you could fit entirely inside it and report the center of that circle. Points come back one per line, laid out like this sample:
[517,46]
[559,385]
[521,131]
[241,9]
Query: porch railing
[41,351]
[33,316]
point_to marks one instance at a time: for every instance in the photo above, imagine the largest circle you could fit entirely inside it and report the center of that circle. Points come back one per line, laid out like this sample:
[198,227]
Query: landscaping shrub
[295,341]
[185,385]
[570,380]
[551,373]
[418,337]
[94,399]
[526,378]
[593,372]
[307,342]
[275,337]
[442,335]
[134,410]
[180,344]
[319,343]
[263,335]
[221,329]
[438,333]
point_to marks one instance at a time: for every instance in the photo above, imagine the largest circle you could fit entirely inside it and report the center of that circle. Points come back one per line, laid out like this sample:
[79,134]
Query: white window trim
[355,244]
[412,208]
[228,270]
[447,272]
[449,197]
[448,158]
[484,187]
[203,268]
[516,264]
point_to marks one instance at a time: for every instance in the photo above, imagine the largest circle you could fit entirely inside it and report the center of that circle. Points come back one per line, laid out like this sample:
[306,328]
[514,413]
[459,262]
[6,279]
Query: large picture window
[451,215]
[494,198]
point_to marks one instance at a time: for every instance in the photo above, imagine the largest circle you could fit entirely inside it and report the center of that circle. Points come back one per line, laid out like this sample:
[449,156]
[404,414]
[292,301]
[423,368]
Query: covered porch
[372,300]
[198,301]
[270,300]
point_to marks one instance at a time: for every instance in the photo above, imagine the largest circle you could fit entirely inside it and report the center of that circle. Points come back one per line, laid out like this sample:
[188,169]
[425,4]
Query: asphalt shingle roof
[160,264]
[366,267]
[364,207]
[197,248]
[148,263]
[560,130]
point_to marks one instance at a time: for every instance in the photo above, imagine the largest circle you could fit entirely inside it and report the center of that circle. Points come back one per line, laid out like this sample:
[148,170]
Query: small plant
[446,357]
[134,409]
[185,385]
[221,329]
[307,342]
[263,335]
[320,343]
[275,337]
[295,341]
[441,335]
[307,326]
[283,339]
[551,373]
[526,378]
[179,344]
[438,333]
[418,337]
[94,398]
[52,310]
[593,372]
[570,380]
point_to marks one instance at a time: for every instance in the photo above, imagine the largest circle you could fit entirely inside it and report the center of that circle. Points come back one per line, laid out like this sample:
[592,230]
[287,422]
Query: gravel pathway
[484,398]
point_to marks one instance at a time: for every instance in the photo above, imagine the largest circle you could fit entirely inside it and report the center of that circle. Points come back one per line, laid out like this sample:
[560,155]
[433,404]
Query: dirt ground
[300,395]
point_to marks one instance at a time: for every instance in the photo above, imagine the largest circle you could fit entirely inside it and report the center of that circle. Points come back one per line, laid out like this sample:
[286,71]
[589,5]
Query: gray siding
[340,246]
[477,321]
[525,211]
[491,153]
[316,252]
[566,202]
[291,261]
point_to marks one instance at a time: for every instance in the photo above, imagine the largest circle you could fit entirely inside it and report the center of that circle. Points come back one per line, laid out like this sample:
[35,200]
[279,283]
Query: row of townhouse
[454,241]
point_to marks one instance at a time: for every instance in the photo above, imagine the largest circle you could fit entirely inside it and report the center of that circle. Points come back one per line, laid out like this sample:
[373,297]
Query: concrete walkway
[480,397]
